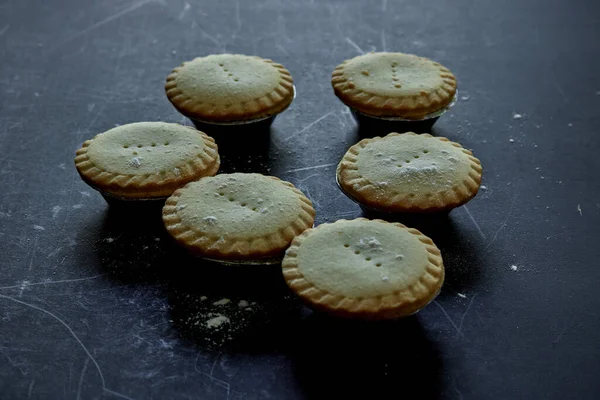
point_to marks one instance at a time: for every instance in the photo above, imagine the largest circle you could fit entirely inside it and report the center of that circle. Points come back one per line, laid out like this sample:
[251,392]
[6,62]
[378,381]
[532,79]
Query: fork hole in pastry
[378,265]
[425,151]
[125,146]
[166,143]
[243,204]
[231,199]
[346,245]
[357,252]
[368,258]
[153,145]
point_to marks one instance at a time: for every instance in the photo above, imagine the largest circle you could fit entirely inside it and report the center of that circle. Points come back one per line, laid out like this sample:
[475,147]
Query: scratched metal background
[96,305]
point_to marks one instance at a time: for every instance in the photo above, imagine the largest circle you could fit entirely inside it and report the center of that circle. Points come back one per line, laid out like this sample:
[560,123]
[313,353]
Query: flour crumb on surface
[579,209]
[384,278]
[517,116]
[55,211]
[202,298]
[462,296]
[61,165]
[77,206]
[465,98]
[217,321]
[176,171]
[109,240]
[484,187]
[39,228]
[210,220]
[222,302]
[135,162]
[243,304]
[180,206]
[399,257]
[514,268]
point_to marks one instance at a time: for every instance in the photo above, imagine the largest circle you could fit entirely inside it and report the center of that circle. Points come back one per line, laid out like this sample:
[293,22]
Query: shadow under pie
[336,358]
[135,247]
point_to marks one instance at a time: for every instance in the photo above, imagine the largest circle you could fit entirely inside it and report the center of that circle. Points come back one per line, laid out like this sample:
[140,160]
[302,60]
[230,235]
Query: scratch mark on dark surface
[357,47]
[34,248]
[212,39]
[307,127]
[238,20]
[52,282]
[30,391]
[186,8]
[309,168]
[556,234]
[560,335]
[14,364]
[474,222]
[217,381]
[83,370]
[105,21]
[63,323]
[3,31]
[383,5]
[462,319]
[383,44]
[503,224]
[458,331]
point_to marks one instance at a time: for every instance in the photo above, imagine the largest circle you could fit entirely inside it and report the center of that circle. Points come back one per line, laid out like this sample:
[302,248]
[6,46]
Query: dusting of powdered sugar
[210,220]
[369,243]
[135,162]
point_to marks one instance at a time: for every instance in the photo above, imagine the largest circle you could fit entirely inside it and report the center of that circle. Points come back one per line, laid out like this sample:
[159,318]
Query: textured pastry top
[364,266]
[230,87]
[409,172]
[394,85]
[146,159]
[238,216]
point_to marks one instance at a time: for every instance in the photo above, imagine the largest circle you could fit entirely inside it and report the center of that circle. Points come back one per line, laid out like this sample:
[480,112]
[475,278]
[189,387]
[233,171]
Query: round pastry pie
[146,160]
[230,89]
[365,269]
[403,88]
[238,218]
[407,172]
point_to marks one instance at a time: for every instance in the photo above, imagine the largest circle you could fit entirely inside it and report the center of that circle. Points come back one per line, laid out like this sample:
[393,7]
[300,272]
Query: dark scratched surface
[95,304]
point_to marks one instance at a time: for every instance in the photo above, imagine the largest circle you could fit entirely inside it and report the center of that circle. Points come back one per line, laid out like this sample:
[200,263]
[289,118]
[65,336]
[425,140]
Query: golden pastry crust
[409,173]
[237,216]
[365,269]
[146,159]
[394,85]
[229,88]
